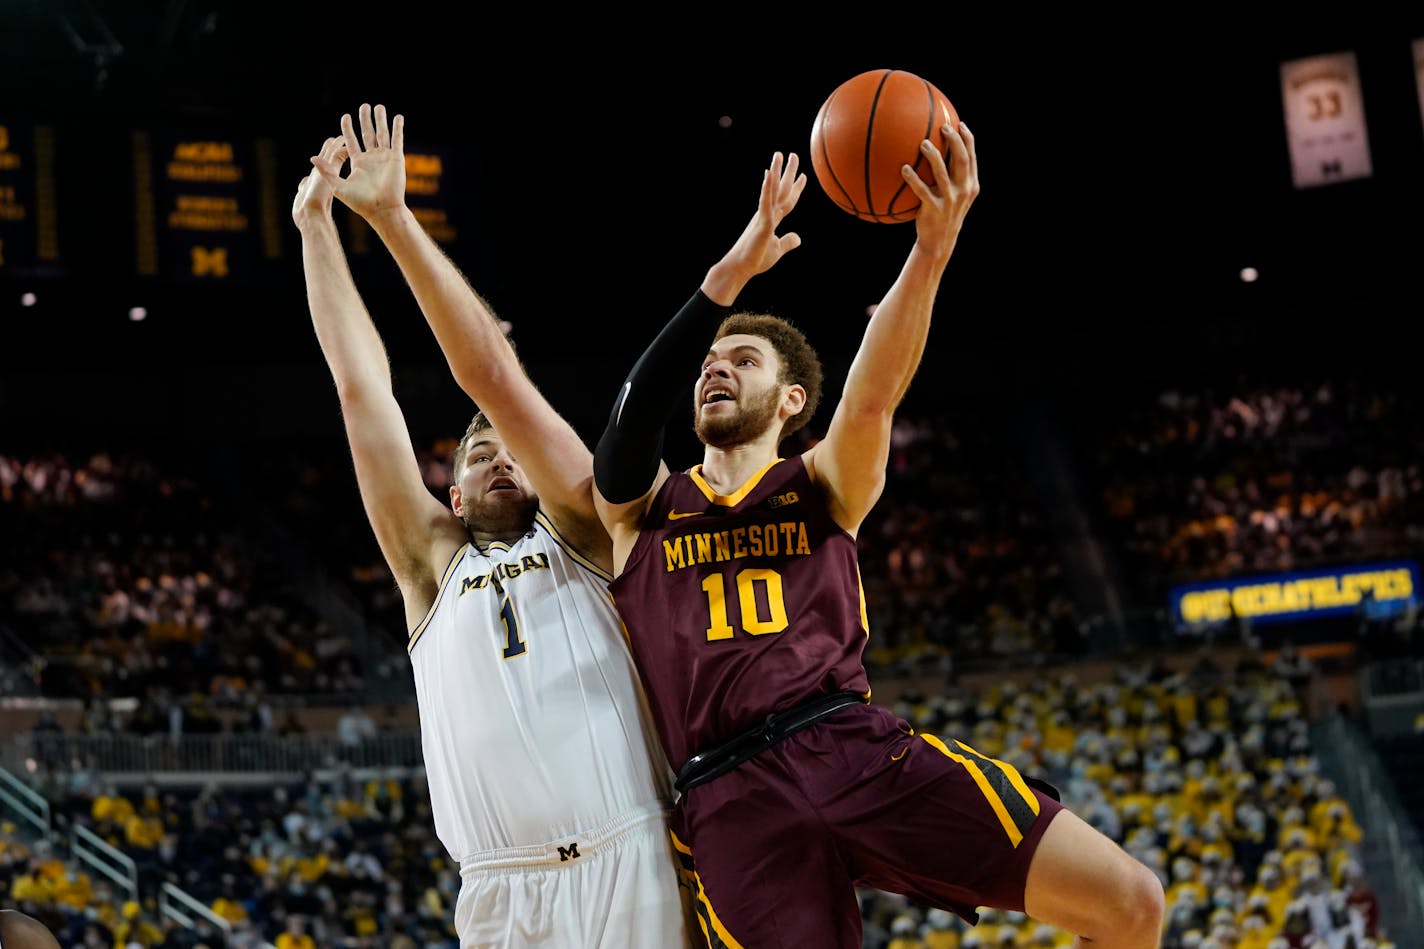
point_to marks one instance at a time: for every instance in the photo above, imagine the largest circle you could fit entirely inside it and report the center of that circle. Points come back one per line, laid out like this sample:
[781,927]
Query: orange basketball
[867,128]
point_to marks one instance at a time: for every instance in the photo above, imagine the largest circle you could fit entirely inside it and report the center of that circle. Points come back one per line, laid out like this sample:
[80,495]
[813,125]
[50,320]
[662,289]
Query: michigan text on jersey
[505,571]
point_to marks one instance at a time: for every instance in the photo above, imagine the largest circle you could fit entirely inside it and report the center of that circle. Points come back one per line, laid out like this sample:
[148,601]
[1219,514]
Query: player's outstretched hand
[376,180]
[944,204]
[759,247]
[313,201]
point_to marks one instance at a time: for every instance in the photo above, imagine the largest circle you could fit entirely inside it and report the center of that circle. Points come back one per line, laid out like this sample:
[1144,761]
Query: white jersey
[533,722]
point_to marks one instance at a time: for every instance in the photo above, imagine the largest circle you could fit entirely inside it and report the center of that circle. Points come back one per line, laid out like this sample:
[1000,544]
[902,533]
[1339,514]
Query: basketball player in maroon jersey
[738,584]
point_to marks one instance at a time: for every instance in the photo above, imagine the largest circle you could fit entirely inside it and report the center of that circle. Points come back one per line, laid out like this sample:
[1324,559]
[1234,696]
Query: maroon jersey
[740,605]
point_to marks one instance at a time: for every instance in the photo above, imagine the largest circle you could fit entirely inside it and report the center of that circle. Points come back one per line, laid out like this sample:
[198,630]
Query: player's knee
[1141,904]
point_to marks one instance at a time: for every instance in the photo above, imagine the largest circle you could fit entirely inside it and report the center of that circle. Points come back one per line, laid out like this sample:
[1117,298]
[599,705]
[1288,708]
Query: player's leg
[767,875]
[929,818]
[631,896]
[1081,881]
[500,909]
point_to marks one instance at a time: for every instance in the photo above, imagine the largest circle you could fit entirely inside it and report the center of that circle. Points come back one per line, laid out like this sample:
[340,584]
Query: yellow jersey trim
[577,557]
[729,500]
[709,920]
[439,592]
[987,789]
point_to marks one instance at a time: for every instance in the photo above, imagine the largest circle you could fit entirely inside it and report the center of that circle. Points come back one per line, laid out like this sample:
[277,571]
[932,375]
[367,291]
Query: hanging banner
[29,242]
[195,201]
[1325,120]
[1419,73]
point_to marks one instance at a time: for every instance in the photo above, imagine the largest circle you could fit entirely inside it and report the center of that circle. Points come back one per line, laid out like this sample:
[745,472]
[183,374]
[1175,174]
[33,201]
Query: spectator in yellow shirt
[227,905]
[294,936]
[32,886]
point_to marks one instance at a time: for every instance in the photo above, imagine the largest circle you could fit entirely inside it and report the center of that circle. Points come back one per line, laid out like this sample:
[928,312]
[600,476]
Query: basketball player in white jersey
[546,782]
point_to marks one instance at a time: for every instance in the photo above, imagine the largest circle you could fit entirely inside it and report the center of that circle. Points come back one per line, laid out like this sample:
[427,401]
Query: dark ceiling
[1129,169]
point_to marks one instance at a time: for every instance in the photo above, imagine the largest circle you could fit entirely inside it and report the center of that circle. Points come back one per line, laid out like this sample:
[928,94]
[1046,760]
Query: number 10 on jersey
[761,605]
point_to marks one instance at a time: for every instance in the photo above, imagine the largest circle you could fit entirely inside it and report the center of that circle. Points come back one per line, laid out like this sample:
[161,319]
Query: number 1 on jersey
[720,627]
[513,642]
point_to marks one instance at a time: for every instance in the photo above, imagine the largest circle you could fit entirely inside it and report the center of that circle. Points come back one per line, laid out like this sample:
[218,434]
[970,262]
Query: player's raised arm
[483,362]
[628,462]
[416,533]
[850,461]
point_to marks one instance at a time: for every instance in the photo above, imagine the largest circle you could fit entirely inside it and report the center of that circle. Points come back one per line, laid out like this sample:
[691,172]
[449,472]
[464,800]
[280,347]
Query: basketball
[866,129]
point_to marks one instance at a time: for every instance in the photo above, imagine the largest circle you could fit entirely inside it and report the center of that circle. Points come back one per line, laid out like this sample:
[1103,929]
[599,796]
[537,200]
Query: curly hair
[799,363]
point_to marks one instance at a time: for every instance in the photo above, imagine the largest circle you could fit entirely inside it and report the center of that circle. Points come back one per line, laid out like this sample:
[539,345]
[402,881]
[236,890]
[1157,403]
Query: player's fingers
[968,137]
[938,169]
[348,132]
[958,151]
[368,130]
[398,133]
[798,187]
[916,183]
[793,164]
[383,131]
[329,170]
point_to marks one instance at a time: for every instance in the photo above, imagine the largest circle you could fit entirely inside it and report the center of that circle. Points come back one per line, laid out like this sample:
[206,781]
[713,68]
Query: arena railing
[1365,784]
[26,802]
[92,850]
[181,906]
[119,754]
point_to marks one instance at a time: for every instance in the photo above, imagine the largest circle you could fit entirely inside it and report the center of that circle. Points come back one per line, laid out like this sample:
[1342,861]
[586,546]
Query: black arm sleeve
[625,462]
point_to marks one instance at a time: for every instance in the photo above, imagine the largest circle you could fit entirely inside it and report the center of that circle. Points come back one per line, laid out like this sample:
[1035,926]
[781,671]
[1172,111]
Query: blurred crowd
[129,575]
[1257,478]
[345,860]
[1207,776]
[956,556]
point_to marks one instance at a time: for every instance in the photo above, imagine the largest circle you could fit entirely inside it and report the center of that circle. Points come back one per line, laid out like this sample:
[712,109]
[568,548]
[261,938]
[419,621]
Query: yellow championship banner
[28,238]
[1380,589]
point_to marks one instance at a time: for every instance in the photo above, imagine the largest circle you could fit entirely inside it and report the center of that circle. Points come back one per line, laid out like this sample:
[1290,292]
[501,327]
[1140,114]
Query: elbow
[478,380]
[355,390]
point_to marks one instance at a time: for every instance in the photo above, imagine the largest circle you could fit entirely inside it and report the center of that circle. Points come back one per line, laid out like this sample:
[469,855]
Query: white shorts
[615,887]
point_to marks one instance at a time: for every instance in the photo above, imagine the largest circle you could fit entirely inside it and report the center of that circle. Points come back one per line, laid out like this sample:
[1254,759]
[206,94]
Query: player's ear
[457,500]
[793,401]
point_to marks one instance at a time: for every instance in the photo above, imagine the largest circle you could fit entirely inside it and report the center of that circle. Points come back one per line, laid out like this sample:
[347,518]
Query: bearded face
[494,495]
[500,514]
[727,423]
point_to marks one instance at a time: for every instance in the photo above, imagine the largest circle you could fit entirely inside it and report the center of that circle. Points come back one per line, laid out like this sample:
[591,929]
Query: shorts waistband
[564,851]
[715,762]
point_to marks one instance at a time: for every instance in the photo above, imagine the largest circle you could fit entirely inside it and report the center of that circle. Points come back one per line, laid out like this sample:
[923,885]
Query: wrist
[391,218]
[723,283]
[312,221]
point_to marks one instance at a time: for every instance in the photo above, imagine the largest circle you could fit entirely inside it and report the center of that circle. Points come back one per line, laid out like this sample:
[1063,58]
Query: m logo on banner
[210,262]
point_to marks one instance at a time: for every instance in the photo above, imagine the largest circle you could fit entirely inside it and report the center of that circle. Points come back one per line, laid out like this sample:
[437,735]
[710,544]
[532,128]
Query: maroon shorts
[780,843]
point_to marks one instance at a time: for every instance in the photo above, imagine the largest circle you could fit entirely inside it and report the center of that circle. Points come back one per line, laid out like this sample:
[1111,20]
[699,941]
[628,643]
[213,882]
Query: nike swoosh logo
[675,515]
[901,754]
[622,399]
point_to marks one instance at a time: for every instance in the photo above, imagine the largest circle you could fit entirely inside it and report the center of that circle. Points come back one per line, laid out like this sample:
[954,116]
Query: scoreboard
[184,206]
